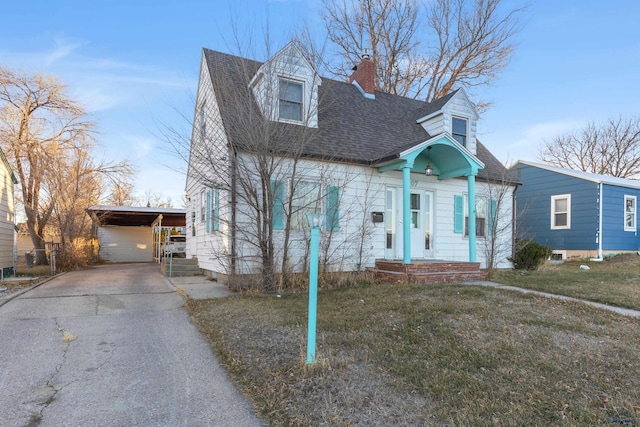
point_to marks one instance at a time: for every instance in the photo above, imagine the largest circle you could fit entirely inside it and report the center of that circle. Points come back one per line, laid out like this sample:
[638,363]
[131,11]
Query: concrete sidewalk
[199,287]
[619,310]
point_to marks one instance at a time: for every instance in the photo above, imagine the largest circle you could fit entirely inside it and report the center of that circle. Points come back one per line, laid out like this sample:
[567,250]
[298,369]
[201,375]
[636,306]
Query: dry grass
[615,281]
[428,355]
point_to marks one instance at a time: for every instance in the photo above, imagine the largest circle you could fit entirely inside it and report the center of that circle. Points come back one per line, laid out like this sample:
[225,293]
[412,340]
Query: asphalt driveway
[110,346]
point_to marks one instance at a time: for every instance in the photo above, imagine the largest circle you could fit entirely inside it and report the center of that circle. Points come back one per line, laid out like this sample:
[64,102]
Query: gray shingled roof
[351,128]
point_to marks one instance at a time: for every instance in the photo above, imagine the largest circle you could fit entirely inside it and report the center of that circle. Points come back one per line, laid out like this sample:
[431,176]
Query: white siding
[359,241]
[7,218]
[288,63]
[208,156]
[125,244]
[458,106]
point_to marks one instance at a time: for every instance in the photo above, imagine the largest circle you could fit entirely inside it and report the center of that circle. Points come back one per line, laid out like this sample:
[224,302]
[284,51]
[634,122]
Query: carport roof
[137,216]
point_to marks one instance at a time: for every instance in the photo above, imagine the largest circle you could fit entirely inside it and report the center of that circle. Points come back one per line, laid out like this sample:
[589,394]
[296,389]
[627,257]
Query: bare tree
[424,52]
[612,148]
[498,243]
[48,141]
[121,194]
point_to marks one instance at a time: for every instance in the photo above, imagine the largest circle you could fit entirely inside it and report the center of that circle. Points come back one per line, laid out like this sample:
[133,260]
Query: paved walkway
[111,346]
[618,310]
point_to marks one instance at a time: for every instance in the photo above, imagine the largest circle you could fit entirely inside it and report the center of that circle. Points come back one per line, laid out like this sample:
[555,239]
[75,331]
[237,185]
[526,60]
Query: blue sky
[134,65]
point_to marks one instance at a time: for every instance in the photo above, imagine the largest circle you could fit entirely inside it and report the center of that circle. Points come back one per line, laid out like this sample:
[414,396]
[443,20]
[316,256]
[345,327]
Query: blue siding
[614,236]
[533,201]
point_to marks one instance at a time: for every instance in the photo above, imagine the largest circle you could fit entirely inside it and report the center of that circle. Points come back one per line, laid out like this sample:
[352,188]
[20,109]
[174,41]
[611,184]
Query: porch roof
[446,156]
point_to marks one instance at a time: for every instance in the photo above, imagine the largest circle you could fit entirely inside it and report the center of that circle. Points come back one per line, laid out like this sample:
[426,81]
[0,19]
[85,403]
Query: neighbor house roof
[587,176]
[351,128]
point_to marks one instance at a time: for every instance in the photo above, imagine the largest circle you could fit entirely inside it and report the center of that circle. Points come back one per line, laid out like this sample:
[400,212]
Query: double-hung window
[481,216]
[629,213]
[459,130]
[561,212]
[307,199]
[290,105]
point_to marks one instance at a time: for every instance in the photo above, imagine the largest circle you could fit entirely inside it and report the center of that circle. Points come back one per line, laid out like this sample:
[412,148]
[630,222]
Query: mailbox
[377,216]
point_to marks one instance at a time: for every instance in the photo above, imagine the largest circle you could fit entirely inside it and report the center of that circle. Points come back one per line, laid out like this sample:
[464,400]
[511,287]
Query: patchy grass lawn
[25,278]
[615,281]
[428,355]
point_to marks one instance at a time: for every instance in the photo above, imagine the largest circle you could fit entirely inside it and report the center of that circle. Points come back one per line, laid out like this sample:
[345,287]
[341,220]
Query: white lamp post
[315,224]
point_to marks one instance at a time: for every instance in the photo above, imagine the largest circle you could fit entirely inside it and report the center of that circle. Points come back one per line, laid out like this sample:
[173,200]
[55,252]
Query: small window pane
[459,130]
[561,220]
[290,100]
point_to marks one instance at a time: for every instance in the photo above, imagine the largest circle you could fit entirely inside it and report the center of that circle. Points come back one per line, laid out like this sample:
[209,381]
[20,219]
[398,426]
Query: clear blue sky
[134,64]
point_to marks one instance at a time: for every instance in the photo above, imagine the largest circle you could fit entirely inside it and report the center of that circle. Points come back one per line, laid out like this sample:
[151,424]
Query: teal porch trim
[448,159]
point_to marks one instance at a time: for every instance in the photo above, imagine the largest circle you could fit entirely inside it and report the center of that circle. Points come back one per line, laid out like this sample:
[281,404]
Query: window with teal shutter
[277,212]
[458,214]
[208,218]
[332,208]
[493,210]
[216,209]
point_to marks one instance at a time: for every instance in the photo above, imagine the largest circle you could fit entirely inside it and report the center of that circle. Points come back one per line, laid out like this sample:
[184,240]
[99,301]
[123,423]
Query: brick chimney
[365,74]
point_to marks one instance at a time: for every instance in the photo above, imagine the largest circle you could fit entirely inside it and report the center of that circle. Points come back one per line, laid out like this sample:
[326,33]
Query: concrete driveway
[110,346]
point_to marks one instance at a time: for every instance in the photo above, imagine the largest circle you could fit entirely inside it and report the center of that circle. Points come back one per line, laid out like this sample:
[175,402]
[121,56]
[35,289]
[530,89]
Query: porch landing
[428,271]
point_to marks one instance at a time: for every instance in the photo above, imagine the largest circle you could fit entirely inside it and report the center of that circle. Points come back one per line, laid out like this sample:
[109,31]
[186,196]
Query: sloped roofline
[586,176]
[8,166]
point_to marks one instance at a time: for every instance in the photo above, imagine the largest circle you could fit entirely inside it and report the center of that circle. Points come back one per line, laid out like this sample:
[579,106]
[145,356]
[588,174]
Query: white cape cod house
[393,176]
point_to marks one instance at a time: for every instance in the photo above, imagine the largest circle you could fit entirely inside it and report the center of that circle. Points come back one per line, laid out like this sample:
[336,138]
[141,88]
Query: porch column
[406,214]
[471,181]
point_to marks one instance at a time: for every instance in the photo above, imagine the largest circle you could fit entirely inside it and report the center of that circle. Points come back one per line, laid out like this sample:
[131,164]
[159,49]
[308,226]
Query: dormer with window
[457,117]
[286,88]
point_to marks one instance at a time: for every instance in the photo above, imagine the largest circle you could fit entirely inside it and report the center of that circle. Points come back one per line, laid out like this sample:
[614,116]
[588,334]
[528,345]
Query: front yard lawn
[615,281]
[429,355]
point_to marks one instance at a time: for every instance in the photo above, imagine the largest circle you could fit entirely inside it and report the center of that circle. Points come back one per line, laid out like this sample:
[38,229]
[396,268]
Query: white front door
[428,224]
[416,216]
[391,224]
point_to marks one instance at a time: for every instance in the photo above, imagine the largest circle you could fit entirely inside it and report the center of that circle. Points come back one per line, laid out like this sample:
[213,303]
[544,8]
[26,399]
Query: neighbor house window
[290,100]
[561,212]
[481,216]
[459,130]
[629,213]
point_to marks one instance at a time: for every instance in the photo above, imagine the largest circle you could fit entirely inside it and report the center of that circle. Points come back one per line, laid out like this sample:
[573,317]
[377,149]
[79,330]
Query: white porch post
[471,181]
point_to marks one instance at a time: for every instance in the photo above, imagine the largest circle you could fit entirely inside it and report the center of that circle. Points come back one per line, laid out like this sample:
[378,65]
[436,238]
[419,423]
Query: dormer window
[459,130]
[290,100]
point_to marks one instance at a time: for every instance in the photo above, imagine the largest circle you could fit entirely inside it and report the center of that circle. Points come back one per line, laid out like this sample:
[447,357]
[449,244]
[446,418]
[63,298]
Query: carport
[133,234]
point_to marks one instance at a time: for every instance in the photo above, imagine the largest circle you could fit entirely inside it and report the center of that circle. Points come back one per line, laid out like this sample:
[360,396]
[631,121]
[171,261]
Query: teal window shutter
[332,208]
[216,209]
[208,212]
[277,213]
[493,209]
[458,214]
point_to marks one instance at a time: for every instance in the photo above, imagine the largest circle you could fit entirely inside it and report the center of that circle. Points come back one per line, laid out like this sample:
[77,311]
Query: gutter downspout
[600,190]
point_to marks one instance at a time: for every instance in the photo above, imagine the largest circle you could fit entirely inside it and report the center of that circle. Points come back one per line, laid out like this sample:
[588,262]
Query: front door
[428,224]
[416,216]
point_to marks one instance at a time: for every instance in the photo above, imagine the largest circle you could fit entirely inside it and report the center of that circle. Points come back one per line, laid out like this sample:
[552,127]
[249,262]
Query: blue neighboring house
[577,214]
